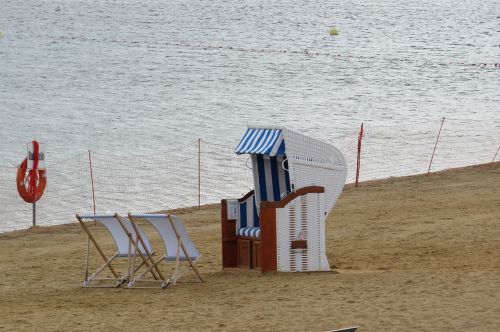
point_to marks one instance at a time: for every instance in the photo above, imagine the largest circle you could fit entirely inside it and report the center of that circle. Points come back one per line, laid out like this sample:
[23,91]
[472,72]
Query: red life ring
[22,180]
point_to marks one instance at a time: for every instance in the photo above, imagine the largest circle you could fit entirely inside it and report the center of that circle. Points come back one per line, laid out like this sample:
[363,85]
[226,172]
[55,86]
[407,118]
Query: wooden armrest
[293,195]
[248,195]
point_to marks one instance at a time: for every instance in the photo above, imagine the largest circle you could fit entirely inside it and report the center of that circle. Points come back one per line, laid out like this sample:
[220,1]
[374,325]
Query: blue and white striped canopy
[262,141]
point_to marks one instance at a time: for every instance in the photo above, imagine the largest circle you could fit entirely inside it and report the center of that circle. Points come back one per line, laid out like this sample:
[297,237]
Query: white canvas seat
[177,243]
[130,241]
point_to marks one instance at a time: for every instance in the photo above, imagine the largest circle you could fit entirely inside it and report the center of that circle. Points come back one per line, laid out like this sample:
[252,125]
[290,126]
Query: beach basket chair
[178,246]
[280,225]
[130,242]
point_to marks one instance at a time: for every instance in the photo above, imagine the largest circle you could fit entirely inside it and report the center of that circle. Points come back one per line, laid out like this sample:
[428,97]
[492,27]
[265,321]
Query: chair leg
[86,274]
[95,276]
[178,274]
[184,250]
[99,250]
[140,276]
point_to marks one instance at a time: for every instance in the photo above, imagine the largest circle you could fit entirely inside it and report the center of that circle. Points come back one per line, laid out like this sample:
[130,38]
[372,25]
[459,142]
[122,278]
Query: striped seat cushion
[249,231]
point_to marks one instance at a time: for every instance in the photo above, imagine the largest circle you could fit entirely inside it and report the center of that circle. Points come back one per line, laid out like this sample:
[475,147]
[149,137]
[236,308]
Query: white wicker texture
[302,219]
[313,162]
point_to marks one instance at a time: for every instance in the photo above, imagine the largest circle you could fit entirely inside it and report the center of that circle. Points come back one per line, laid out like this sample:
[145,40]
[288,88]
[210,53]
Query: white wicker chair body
[303,218]
[315,163]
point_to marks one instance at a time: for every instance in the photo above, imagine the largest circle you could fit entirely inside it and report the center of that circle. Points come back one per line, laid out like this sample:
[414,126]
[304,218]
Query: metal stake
[34,214]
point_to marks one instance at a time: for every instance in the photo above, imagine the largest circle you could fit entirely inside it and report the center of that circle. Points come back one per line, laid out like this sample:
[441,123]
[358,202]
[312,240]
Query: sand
[419,253]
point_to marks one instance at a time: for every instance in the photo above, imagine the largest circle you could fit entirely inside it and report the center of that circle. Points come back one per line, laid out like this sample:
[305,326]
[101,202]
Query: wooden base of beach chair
[115,282]
[164,283]
[94,281]
[148,284]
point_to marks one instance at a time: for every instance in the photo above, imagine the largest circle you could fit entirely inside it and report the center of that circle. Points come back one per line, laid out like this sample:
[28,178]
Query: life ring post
[31,177]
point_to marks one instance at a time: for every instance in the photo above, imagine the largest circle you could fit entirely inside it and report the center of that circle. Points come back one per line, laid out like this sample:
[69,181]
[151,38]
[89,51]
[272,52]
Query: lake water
[136,77]
[130,78]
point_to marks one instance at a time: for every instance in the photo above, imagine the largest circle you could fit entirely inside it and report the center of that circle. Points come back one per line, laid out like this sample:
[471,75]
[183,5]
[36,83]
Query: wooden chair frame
[181,247]
[133,252]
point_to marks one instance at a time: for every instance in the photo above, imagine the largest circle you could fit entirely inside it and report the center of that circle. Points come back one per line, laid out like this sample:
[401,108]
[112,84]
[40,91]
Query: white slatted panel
[303,217]
[284,218]
[316,233]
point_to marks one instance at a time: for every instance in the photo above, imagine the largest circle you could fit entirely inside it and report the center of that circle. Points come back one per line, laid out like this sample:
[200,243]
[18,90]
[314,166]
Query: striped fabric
[249,232]
[262,141]
[272,183]
[248,216]
[271,180]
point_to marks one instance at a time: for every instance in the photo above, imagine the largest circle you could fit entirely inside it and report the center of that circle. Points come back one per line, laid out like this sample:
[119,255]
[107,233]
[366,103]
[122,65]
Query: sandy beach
[419,253]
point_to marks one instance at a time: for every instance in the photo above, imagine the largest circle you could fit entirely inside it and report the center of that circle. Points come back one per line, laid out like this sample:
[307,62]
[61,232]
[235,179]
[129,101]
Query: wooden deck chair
[130,241]
[178,247]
